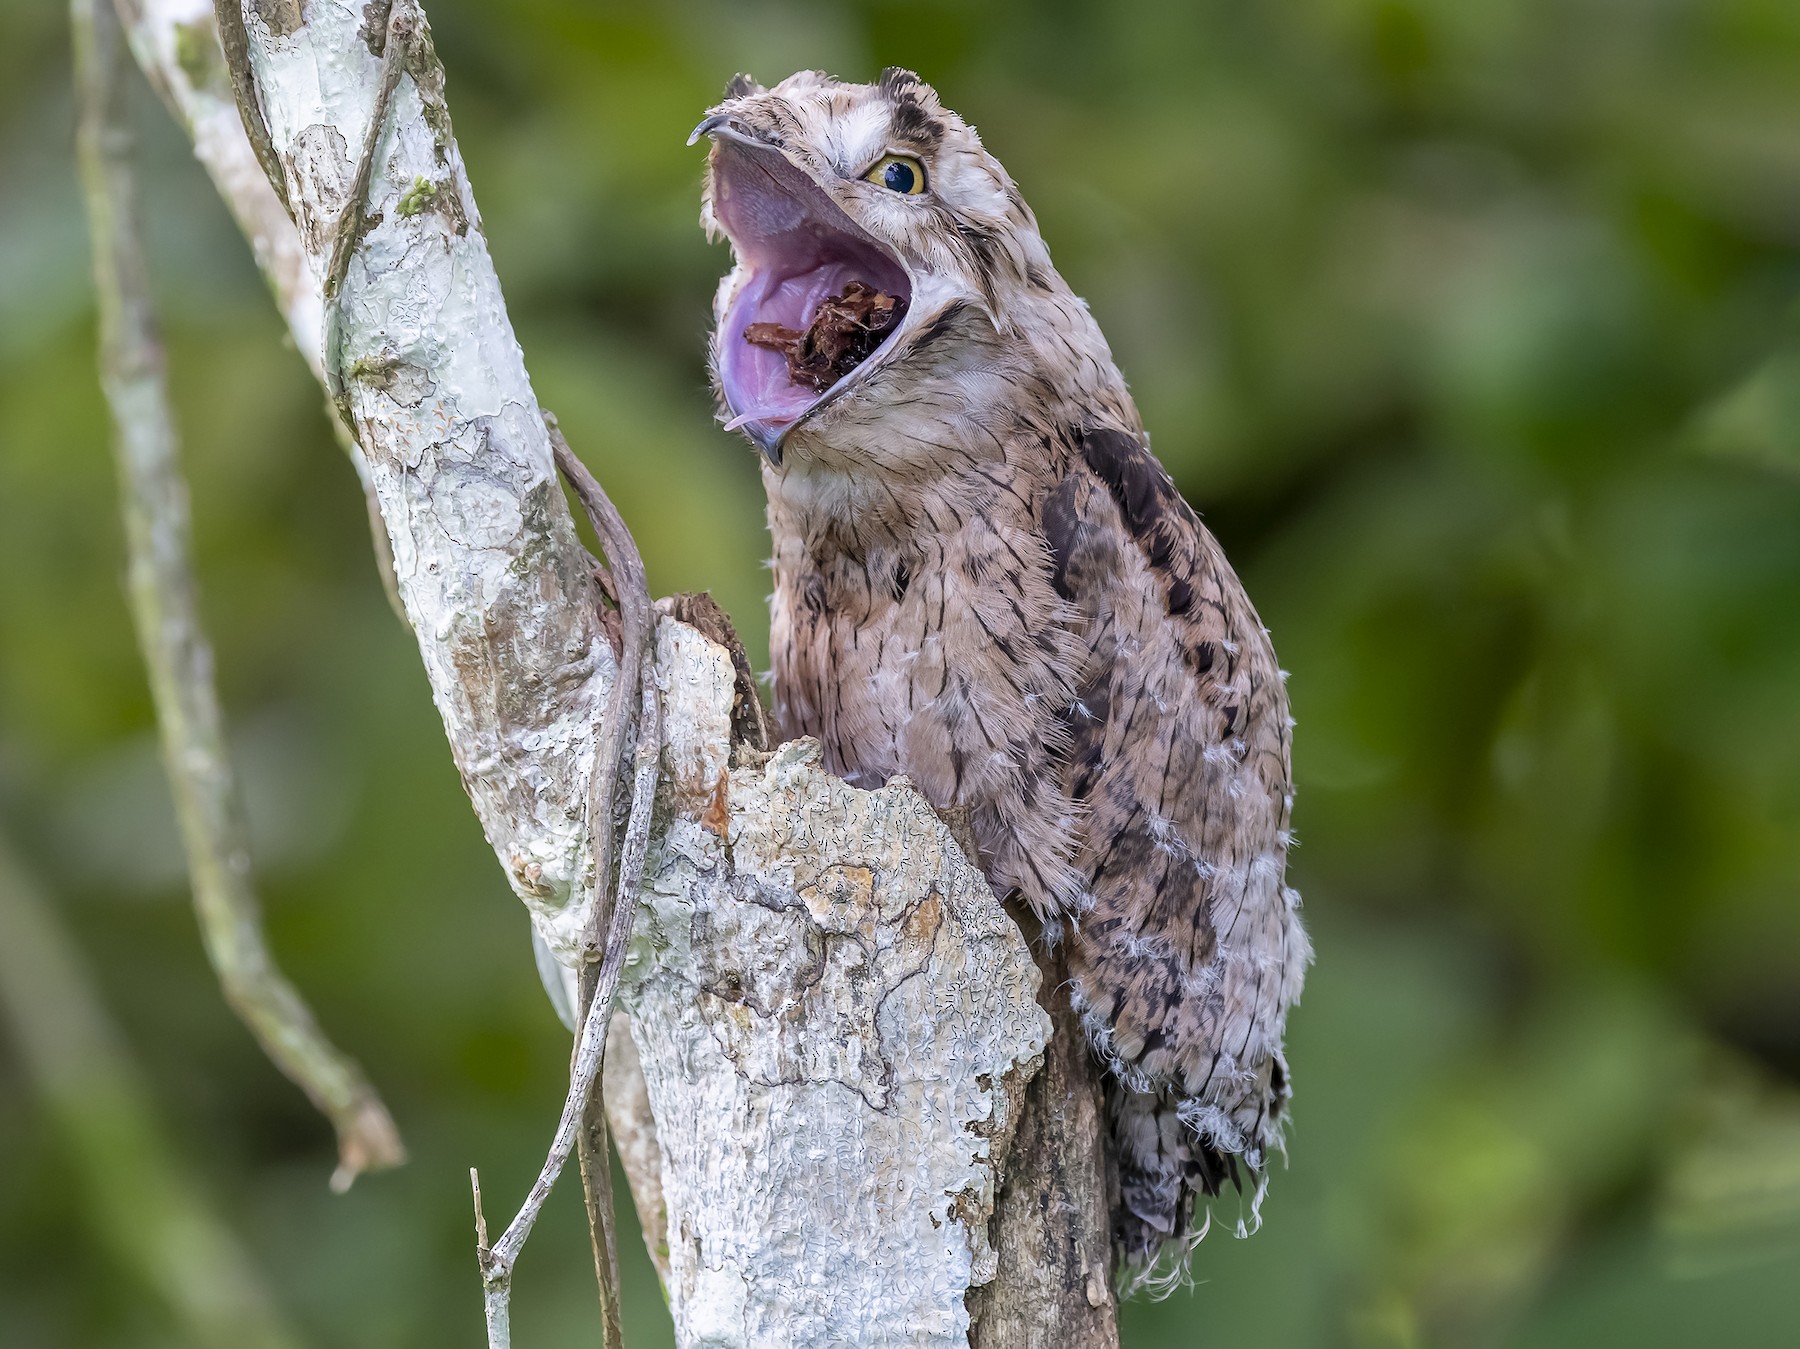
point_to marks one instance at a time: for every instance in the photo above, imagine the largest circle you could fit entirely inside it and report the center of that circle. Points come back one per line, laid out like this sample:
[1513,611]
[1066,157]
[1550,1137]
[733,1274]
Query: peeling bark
[820,966]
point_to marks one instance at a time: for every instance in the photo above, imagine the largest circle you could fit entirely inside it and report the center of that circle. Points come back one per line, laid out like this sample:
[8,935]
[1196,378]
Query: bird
[985,582]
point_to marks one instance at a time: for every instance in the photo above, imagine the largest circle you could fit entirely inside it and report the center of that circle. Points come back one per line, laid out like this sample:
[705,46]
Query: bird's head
[868,225]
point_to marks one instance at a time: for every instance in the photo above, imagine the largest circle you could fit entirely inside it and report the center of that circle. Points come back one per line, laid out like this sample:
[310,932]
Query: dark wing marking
[1155,513]
[1179,685]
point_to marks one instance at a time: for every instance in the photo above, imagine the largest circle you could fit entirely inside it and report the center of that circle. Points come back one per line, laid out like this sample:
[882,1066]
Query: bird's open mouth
[819,299]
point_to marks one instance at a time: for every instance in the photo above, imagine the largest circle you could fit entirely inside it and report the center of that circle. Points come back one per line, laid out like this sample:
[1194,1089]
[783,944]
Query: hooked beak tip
[765,437]
[707,127]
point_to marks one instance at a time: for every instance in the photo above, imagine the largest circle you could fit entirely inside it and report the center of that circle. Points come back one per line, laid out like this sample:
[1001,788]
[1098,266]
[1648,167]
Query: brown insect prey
[846,329]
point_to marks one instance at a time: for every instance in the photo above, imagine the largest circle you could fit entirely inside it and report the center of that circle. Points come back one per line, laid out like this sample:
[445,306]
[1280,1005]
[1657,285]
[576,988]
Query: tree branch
[836,1023]
[609,926]
[633,1130]
[1053,1216]
[177,45]
[165,607]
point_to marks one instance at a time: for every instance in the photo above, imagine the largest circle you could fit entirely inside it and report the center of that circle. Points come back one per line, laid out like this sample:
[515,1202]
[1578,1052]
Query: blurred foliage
[1470,325]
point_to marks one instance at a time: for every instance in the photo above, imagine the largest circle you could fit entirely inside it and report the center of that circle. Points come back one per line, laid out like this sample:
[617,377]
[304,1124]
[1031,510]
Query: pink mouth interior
[800,248]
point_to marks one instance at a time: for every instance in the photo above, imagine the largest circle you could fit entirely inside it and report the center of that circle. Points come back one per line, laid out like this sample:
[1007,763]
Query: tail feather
[1175,1156]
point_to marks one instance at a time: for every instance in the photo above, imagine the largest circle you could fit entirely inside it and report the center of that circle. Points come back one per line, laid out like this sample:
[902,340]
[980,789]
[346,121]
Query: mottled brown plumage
[985,581]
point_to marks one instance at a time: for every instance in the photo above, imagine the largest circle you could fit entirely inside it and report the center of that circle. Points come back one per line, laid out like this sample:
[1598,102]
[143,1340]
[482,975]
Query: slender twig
[165,607]
[497,1261]
[229,14]
[259,203]
[630,592]
[609,927]
[582,1126]
[632,595]
[497,1294]
[608,933]
[593,1153]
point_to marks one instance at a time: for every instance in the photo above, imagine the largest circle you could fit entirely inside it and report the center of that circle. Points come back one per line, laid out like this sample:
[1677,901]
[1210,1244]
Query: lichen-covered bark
[498,590]
[820,961]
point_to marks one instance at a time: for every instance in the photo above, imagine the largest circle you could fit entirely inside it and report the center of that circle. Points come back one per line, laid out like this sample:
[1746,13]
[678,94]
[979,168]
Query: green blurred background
[1471,328]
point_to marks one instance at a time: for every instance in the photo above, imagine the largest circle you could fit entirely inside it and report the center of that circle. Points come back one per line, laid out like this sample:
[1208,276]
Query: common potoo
[985,581]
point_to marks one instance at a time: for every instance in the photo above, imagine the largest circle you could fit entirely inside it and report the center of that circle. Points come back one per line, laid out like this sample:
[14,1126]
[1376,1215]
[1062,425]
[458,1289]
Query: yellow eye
[898,173]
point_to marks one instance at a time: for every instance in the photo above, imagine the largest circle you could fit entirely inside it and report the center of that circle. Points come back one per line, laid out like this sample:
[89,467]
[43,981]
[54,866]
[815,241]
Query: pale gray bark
[176,43]
[836,1021]
[633,1128]
[496,584]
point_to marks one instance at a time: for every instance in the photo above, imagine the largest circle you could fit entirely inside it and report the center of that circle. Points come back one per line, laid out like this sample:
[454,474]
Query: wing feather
[1192,950]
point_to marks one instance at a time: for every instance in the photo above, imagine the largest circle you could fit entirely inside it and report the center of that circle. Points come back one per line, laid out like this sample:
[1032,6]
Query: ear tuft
[742,86]
[896,80]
